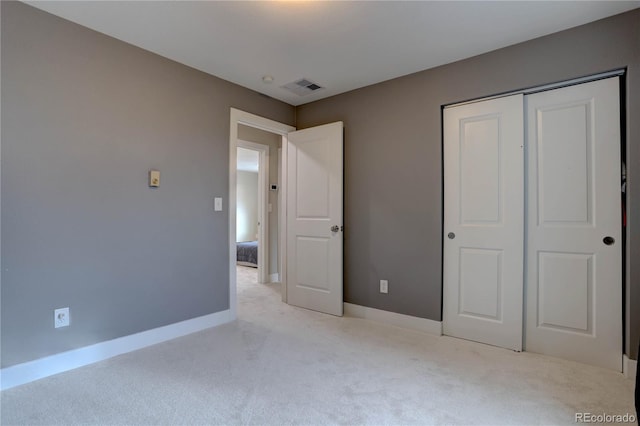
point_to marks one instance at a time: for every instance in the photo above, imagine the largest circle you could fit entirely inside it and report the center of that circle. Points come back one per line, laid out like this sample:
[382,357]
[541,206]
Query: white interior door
[483,221]
[573,279]
[314,218]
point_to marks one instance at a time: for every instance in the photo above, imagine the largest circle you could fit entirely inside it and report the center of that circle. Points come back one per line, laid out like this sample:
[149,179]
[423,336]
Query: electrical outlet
[384,286]
[61,317]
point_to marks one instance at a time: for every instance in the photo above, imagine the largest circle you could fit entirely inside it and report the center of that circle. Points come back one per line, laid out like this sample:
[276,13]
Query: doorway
[310,193]
[254,208]
[267,137]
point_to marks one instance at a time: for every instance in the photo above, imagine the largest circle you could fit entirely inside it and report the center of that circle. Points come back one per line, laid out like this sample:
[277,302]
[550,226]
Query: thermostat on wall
[273,187]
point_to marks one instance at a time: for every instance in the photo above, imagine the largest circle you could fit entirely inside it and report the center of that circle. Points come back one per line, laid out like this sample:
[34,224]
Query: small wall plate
[154,178]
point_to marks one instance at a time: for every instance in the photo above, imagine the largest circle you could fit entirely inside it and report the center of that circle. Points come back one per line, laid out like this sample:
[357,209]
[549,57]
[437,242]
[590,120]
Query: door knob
[335,228]
[608,240]
[451,235]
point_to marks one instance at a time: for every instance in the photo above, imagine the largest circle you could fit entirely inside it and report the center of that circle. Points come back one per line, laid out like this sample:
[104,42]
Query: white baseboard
[274,278]
[33,370]
[391,318]
[629,367]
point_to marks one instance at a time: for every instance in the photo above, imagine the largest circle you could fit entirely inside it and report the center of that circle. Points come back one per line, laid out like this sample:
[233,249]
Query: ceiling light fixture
[267,79]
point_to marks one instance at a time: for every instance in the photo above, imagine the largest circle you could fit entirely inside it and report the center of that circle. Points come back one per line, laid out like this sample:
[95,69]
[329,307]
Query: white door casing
[573,279]
[314,176]
[483,221]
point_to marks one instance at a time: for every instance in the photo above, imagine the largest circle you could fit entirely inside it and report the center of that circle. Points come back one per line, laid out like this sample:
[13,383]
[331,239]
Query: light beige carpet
[280,365]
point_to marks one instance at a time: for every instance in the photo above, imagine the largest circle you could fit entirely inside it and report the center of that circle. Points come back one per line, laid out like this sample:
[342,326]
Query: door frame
[241,117]
[263,201]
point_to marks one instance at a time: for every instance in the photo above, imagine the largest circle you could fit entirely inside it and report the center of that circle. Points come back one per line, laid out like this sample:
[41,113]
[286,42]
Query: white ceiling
[248,160]
[339,45]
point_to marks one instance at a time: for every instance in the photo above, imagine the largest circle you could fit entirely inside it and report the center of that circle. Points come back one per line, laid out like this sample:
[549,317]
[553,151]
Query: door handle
[451,235]
[609,240]
[335,228]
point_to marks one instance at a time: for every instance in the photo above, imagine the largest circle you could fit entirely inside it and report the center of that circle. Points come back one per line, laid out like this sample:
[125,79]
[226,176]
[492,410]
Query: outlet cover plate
[61,317]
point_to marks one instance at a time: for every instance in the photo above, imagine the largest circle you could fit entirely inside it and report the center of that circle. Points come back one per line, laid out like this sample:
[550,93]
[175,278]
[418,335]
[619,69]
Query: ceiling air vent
[302,87]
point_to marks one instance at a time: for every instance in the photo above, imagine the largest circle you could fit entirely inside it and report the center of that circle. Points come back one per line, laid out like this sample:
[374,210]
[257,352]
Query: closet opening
[534,211]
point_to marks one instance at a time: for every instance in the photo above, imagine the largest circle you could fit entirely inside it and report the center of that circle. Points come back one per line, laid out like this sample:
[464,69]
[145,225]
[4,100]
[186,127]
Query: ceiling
[338,45]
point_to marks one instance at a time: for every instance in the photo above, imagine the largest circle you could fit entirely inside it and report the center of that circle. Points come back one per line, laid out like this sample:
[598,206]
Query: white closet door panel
[573,279]
[483,225]
[480,285]
[564,172]
[480,175]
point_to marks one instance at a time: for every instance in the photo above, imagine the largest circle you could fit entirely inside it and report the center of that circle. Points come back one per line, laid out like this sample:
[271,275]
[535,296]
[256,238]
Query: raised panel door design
[565,164]
[483,203]
[314,206]
[312,179]
[312,256]
[565,291]
[573,279]
[480,158]
[481,283]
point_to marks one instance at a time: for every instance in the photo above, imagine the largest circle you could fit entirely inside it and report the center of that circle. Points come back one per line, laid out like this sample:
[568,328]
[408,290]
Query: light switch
[154,178]
[217,205]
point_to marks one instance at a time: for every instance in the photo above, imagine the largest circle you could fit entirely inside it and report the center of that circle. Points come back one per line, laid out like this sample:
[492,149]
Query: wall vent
[302,87]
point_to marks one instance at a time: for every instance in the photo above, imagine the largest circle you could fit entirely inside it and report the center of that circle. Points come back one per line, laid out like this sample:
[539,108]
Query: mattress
[247,253]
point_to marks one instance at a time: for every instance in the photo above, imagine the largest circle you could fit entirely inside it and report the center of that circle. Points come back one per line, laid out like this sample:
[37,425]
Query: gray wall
[393,176]
[84,117]
[247,206]
[274,141]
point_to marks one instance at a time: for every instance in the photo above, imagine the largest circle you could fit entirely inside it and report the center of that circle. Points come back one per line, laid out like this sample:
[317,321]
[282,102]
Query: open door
[314,218]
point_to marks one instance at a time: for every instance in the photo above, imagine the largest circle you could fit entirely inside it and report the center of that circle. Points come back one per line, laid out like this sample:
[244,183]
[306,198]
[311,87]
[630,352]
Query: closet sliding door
[483,222]
[546,237]
[574,246]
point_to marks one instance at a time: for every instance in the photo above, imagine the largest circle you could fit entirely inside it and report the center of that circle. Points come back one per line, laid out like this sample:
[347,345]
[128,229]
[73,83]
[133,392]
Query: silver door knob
[451,235]
[335,228]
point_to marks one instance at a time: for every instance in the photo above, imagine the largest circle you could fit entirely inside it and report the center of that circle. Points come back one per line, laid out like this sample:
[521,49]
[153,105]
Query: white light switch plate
[217,204]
